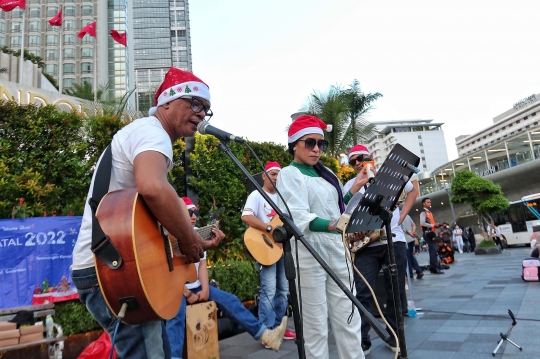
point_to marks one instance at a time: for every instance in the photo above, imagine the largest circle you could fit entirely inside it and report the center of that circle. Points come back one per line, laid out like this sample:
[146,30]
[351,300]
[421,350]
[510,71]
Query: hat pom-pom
[152,111]
[328,128]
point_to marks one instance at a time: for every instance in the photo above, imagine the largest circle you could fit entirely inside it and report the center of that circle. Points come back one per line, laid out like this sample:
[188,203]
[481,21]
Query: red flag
[119,38]
[57,19]
[8,5]
[89,29]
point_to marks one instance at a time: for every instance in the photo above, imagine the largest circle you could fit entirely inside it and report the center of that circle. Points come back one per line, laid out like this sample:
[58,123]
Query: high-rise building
[158,37]
[424,138]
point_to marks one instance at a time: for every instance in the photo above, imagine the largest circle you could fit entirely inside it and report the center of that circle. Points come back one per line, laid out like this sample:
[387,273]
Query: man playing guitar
[141,157]
[370,260]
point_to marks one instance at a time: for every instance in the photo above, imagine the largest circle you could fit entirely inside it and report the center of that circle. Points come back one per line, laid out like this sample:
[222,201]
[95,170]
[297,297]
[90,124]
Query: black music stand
[507,334]
[373,210]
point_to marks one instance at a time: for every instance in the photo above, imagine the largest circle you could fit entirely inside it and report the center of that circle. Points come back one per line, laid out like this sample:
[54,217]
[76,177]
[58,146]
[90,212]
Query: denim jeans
[429,237]
[274,288]
[411,259]
[369,262]
[228,304]
[144,341]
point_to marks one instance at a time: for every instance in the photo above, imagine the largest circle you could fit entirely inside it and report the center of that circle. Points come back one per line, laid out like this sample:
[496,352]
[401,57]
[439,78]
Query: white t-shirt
[197,282]
[257,206]
[396,229]
[144,134]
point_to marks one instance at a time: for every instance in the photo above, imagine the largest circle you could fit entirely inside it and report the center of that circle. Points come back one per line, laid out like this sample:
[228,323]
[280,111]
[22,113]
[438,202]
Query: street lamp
[447,189]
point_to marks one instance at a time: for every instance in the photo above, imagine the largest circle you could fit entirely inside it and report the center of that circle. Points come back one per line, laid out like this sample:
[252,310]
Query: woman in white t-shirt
[458,234]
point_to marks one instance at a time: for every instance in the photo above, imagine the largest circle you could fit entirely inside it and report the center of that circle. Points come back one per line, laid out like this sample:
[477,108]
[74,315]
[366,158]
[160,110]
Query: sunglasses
[197,106]
[311,142]
[193,212]
[358,159]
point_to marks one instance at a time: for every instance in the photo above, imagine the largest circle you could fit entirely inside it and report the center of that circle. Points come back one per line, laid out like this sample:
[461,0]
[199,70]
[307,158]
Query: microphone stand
[290,272]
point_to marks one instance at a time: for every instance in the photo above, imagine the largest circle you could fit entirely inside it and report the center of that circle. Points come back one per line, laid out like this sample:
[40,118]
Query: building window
[34,40]
[87,52]
[34,2]
[68,69]
[16,14]
[69,83]
[85,22]
[69,39]
[15,26]
[69,53]
[2,41]
[51,69]
[35,12]
[15,41]
[2,27]
[86,10]
[86,68]
[52,11]
[34,26]
[69,24]
[87,40]
[86,80]
[69,10]
[52,40]
[35,52]
[52,54]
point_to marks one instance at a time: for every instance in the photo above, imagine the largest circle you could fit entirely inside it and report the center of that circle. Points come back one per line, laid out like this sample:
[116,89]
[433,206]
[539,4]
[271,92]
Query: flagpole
[21,69]
[60,64]
[96,62]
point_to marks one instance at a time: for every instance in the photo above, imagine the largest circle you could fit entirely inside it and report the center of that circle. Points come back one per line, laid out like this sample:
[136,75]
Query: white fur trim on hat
[191,88]
[305,131]
[358,153]
[273,168]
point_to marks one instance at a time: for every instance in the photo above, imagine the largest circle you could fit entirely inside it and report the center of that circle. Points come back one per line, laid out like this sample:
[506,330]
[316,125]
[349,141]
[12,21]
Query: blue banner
[35,256]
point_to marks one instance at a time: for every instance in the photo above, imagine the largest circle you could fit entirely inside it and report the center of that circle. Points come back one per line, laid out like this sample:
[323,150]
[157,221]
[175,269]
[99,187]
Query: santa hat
[358,150]
[272,166]
[306,124]
[188,202]
[178,83]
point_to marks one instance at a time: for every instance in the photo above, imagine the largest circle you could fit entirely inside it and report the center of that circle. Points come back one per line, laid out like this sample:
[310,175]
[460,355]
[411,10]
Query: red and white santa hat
[179,83]
[272,166]
[359,150]
[188,202]
[307,124]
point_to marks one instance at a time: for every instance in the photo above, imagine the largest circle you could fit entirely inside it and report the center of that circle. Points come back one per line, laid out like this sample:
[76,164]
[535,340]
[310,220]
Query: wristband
[189,295]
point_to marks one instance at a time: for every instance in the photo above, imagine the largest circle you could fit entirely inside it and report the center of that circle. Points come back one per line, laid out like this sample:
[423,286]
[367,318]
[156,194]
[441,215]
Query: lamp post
[447,189]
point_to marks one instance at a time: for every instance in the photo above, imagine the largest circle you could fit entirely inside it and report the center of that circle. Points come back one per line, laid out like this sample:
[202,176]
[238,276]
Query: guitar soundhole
[267,241]
[132,303]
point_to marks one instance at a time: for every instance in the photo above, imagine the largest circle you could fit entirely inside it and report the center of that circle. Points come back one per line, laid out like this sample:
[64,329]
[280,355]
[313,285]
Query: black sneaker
[366,348]
[391,344]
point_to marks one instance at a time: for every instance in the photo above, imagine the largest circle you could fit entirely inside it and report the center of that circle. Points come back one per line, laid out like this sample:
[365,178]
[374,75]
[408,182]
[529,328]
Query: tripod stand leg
[498,346]
[290,273]
[514,344]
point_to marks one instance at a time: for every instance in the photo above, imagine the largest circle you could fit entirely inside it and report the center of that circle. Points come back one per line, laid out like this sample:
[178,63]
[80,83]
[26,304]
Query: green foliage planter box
[487,250]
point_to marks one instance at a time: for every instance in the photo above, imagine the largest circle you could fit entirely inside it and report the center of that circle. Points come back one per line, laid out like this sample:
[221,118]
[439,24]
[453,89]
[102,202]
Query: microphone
[205,128]
[369,164]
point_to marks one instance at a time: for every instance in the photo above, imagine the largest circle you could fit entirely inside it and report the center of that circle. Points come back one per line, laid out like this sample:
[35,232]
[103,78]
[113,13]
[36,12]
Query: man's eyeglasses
[193,212]
[358,159]
[311,142]
[197,106]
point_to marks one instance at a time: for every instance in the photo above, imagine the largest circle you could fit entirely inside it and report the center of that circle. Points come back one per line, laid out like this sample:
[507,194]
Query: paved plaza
[464,310]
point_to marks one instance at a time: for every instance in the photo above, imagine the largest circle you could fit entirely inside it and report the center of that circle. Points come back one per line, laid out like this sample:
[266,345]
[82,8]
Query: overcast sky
[457,62]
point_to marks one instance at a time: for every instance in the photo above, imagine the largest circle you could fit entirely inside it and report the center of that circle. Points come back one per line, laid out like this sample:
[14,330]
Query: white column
[507,154]
[61,54]
[21,58]
[531,144]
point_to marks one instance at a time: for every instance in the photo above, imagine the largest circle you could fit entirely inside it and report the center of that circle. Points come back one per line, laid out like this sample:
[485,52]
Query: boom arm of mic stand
[292,228]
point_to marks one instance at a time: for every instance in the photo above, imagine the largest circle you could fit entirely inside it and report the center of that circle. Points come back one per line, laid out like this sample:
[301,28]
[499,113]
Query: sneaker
[366,348]
[420,275]
[274,337]
[391,344]
[289,334]
[266,346]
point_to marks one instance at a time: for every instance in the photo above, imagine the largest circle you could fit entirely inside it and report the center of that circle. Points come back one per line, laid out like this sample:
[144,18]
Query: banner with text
[35,256]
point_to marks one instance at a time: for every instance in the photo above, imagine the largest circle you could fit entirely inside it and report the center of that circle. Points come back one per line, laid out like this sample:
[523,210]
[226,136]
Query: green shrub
[486,243]
[74,317]
[237,277]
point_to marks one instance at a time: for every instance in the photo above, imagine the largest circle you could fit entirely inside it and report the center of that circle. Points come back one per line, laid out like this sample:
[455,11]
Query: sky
[458,62]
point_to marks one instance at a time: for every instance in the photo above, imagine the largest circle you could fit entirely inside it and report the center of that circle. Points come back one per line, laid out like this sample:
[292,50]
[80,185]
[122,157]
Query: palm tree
[3,70]
[345,110]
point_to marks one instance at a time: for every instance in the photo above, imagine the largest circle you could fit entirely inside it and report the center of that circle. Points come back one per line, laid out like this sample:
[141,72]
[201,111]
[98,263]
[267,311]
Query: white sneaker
[460,251]
[274,337]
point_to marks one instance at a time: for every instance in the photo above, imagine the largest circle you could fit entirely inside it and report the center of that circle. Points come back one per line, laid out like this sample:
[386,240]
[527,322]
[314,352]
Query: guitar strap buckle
[107,252]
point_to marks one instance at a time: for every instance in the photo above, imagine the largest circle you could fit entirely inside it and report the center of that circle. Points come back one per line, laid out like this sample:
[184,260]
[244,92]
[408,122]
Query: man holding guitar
[142,156]
[257,214]
[370,259]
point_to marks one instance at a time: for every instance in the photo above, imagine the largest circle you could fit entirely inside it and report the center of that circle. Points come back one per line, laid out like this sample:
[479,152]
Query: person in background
[472,239]
[315,198]
[370,260]
[258,213]
[446,233]
[142,156]
[410,233]
[201,291]
[446,253]
[496,234]
[458,234]
[428,224]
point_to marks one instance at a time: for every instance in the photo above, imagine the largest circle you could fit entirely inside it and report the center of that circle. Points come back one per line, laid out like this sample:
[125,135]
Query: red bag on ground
[98,349]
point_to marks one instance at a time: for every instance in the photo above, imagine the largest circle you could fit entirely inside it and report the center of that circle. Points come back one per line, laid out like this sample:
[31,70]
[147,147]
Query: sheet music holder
[373,210]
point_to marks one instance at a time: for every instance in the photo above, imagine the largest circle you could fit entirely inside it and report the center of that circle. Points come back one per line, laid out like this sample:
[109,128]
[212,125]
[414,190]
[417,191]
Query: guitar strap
[102,246]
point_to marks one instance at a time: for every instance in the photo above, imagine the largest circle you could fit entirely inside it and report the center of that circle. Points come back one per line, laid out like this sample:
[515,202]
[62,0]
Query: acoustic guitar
[262,246]
[152,275]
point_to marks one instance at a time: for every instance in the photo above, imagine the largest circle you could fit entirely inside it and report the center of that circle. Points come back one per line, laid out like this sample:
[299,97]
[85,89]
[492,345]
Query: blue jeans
[228,304]
[369,262]
[274,289]
[429,237]
[411,259]
[144,341]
